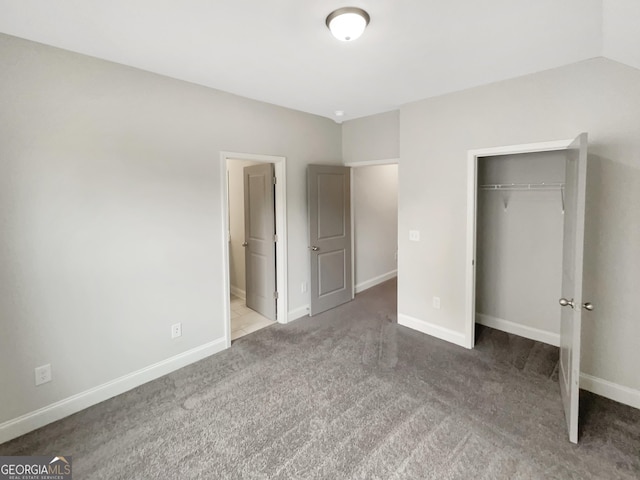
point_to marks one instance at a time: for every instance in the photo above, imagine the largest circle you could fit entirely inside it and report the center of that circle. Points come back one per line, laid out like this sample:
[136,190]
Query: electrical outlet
[176,330]
[43,374]
[414,235]
[303,287]
[436,303]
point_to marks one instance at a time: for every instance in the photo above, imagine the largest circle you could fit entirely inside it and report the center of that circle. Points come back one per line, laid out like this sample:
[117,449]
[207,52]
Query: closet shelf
[510,187]
[523,186]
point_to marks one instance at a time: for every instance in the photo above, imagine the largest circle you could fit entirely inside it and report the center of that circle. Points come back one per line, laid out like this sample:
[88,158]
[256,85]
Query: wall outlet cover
[176,330]
[43,374]
[414,235]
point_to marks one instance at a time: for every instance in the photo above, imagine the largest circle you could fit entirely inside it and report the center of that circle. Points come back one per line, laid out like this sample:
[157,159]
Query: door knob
[245,244]
[587,306]
[315,249]
[564,302]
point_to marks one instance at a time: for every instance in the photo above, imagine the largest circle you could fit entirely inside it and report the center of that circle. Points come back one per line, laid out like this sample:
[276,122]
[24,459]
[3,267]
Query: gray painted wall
[376,137]
[375,211]
[598,96]
[110,213]
[519,249]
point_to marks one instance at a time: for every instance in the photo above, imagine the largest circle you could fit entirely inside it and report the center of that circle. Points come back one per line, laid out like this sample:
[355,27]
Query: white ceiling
[280,51]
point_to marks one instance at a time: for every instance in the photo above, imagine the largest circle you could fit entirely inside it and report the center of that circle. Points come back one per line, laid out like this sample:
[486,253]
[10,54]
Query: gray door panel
[330,236]
[260,250]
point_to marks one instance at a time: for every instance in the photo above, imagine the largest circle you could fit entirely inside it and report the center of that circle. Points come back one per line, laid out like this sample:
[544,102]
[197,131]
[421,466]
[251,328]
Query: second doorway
[252,245]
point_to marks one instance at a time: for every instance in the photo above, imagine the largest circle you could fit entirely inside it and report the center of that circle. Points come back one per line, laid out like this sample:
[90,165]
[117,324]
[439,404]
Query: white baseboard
[518,329]
[238,292]
[434,330]
[70,405]
[372,282]
[613,391]
[298,313]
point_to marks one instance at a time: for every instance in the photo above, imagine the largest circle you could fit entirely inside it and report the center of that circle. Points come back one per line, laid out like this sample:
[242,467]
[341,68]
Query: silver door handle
[315,249]
[564,302]
[587,306]
[245,244]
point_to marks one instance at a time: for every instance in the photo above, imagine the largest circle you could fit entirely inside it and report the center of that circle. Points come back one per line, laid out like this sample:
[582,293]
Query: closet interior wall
[519,233]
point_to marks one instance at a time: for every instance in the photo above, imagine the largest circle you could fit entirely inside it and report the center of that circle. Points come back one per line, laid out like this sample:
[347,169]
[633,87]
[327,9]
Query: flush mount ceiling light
[347,23]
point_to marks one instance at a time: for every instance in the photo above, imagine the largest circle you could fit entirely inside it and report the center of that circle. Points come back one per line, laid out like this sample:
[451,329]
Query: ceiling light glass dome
[347,24]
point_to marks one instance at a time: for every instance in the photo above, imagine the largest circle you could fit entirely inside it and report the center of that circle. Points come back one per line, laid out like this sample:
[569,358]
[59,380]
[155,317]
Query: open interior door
[259,243]
[329,189]
[572,301]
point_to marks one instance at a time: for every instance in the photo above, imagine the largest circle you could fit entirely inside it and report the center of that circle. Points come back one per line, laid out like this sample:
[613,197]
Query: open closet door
[329,189]
[571,301]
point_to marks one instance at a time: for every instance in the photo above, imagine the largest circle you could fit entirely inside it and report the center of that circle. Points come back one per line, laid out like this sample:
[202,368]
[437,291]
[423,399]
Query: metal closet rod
[524,186]
[503,187]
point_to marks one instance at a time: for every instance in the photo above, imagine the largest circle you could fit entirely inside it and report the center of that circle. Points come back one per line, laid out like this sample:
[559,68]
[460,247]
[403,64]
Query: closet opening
[519,232]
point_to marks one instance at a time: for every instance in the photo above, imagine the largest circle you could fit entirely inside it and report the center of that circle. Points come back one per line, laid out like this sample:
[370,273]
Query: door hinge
[275,238]
[275,180]
[275,295]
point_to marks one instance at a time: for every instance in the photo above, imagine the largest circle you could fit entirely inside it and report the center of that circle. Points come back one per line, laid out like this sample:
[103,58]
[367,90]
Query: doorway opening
[353,229]
[374,204]
[254,244]
[519,231]
[474,190]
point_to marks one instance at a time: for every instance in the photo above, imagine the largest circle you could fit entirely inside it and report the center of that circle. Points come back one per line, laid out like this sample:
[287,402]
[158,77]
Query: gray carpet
[350,394]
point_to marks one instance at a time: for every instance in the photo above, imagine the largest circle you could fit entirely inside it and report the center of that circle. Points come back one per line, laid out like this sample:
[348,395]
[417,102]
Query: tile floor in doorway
[244,320]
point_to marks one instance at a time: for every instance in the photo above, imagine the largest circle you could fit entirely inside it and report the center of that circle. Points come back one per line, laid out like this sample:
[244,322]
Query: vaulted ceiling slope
[280,51]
